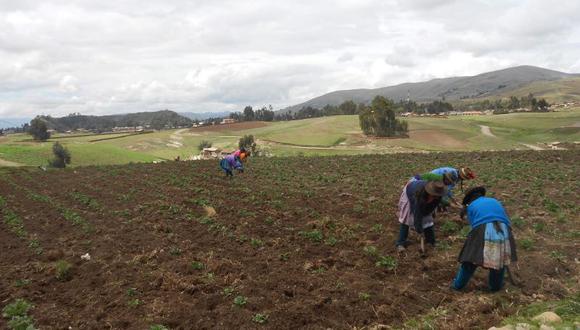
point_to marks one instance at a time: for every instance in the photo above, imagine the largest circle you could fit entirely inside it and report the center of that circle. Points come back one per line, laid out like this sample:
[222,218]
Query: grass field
[338,135]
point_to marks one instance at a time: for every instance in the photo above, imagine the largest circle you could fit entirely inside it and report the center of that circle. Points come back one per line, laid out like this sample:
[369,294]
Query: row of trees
[263,114]
[512,103]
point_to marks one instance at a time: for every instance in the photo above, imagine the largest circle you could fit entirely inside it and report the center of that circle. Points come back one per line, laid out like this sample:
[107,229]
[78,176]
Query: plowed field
[296,243]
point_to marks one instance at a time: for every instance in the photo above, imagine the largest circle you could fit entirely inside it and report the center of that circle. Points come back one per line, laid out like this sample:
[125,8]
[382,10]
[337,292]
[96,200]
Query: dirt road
[485,130]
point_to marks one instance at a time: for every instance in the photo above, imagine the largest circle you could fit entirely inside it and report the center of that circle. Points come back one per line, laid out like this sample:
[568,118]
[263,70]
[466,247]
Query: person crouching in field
[418,201]
[230,163]
[241,153]
[451,177]
[490,243]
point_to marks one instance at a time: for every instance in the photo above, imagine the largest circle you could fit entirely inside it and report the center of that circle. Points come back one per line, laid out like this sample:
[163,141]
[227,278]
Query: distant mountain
[454,88]
[157,120]
[204,115]
[13,122]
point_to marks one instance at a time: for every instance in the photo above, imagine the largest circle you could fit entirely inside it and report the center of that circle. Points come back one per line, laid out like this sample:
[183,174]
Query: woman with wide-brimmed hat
[451,176]
[417,203]
[489,244]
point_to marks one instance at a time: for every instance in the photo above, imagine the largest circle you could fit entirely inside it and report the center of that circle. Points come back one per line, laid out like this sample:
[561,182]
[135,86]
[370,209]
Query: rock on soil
[548,317]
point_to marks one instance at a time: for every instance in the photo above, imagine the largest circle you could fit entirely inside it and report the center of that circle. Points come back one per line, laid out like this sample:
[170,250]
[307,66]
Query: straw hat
[436,188]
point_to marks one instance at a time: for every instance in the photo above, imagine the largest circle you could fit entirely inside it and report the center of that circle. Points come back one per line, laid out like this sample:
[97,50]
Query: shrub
[247,142]
[17,315]
[61,156]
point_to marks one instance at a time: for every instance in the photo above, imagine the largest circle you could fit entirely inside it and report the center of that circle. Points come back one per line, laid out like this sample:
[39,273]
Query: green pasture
[337,135]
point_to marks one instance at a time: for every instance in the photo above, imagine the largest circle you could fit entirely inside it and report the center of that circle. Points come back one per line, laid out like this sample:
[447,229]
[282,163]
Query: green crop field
[337,135]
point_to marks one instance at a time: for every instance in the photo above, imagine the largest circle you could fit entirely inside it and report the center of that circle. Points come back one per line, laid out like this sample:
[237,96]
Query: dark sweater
[418,200]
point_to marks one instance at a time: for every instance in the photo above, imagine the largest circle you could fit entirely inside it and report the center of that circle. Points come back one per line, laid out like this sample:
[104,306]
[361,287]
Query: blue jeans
[467,269]
[404,233]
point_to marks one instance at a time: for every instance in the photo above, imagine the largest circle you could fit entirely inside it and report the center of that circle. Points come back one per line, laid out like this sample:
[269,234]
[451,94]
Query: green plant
[260,318]
[158,327]
[17,315]
[387,262]
[63,270]
[527,243]
[22,283]
[364,296]
[558,256]
[314,235]
[517,221]
[285,256]
[240,301]
[175,251]
[256,243]
[377,228]
[132,292]
[134,303]
[449,227]
[228,291]
[197,265]
[539,227]
[331,241]
[371,250]
[61,156]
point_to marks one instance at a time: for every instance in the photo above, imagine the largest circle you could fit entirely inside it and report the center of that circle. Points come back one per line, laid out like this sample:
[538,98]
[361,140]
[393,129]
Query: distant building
[228,121]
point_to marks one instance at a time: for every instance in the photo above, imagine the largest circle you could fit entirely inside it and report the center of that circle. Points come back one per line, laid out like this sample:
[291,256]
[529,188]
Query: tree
[347,108]
[247,142]
[543,105]
[61,156]
[379,119]
[38,129]
[248,113]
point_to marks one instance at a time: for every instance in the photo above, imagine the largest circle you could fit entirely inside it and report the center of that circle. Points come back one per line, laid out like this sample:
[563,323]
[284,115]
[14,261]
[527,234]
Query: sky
[118,56]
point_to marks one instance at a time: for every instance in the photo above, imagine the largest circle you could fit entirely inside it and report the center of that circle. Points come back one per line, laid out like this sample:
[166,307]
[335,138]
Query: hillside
[454,88]
[157,119]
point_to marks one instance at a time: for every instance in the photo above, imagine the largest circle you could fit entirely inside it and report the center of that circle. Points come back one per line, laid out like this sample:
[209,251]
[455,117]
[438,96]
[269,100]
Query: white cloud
[107,56]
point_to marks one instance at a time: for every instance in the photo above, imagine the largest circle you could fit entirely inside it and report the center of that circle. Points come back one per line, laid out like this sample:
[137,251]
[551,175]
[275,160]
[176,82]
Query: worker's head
[473,194]
[450,178]
[243,155]
[436,189]
[242,150]
[465,173]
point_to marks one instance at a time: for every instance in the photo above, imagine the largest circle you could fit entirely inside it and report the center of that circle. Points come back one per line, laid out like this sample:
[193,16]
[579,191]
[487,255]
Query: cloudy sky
[117,56]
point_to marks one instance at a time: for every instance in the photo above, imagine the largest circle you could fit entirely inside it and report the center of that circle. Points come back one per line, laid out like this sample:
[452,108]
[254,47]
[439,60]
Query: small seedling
[228,291]
[158,327]
[314,235]
[240,301]
[63,270]
[197,265]
[387,262]
[331,241]
[22,283]
[558,256]
[527,243]
[377,228]
[19,307]
[371,250]
[175,251]
[256,243]
[364,296]
[260,318]
[132,292]
[285,256]
[135,303]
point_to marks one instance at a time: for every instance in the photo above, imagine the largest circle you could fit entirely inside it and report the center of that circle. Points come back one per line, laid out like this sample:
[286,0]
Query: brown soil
[436,137]
[231,127]
[288,235]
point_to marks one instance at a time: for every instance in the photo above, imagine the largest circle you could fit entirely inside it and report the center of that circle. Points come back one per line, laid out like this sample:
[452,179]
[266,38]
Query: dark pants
[404,233]
[467,269]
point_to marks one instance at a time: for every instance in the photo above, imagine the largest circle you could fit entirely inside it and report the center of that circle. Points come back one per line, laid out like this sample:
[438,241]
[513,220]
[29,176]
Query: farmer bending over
[490,243]
[418,201]
[231,163]
[451,177]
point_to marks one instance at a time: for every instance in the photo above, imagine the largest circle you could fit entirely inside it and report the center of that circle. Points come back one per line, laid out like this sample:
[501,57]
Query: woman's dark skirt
[472,250]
